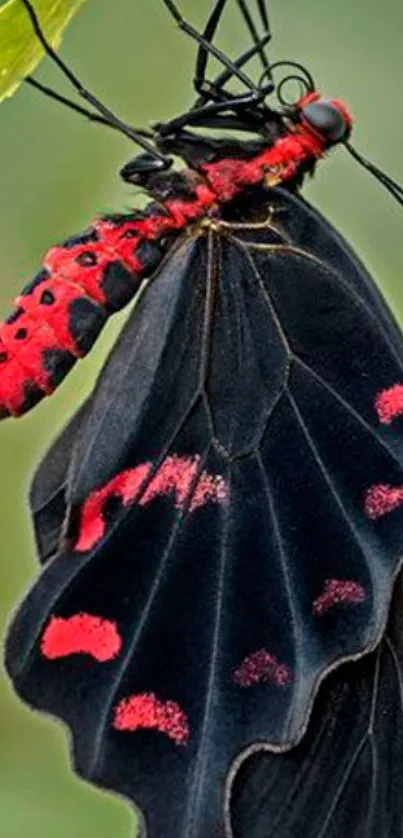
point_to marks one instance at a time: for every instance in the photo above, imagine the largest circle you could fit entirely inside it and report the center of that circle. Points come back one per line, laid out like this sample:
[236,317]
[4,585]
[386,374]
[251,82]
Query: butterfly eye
[326,119]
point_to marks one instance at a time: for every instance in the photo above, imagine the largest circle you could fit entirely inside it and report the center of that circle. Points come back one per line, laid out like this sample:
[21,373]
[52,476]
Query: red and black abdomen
[61,312]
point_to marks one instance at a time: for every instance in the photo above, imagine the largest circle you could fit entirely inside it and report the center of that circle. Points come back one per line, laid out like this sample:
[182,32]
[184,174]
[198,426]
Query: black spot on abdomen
[86,319]
[149,254]
[58,362]
[38,279]
[118,285]
[90,236]
[32,396]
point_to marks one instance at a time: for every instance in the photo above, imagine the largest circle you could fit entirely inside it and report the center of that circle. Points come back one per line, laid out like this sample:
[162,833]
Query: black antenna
[226,75]
[253,31]
[107,116]
[203,53]
[207,45]
[208,89]
[140,136]
[93,117]
[391,185]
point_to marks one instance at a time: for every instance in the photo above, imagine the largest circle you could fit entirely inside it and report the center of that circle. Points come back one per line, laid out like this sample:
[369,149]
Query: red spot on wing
[389,404]
[338,591]
[176,477]
[260,667]
[125,486]
[146,711]
[81,634]
[382,499]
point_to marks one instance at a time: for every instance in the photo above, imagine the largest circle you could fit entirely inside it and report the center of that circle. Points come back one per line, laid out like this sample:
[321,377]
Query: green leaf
[20,50]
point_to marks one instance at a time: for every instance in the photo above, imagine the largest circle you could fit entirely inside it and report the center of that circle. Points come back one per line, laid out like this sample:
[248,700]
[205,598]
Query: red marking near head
[82,634]
[176,476]
[261,666]
[314,96]
[149,712]
[389,404]
[344,111]
[340,106]
[338,591]
[381,499]
[228,177]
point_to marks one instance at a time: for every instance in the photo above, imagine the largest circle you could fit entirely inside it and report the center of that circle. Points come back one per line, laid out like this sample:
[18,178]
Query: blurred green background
[56,172]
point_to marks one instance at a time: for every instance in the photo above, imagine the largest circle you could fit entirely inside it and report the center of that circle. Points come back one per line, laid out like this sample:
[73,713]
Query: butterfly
[220,525]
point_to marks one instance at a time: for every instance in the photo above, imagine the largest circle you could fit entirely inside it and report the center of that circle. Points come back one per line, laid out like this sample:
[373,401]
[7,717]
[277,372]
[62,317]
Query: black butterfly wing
[87,681]
[151,380]
[235,517]
[306,223]
[48,491]
[346,776]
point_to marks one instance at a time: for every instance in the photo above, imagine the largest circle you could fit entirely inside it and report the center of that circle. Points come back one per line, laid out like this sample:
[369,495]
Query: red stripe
[175,477]
[261,666]
[338,591]
[382,499]
[146,711]
[389,404]
[81,634]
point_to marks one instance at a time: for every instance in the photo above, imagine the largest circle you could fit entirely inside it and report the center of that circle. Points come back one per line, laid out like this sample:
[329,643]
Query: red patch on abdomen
[82,634]
[260,667]
[175,477]
[382,499]
[338,591]
[146,711]
[389,404]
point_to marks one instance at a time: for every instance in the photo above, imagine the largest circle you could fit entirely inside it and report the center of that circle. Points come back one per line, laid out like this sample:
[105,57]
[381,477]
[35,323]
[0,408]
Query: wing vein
[198,773]
[296,622]
[399,676]
[363,545]
[342,787]
[138,629]
[350,409]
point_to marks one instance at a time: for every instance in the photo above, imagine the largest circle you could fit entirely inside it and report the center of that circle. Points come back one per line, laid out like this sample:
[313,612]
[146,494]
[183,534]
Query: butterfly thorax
[218,171]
